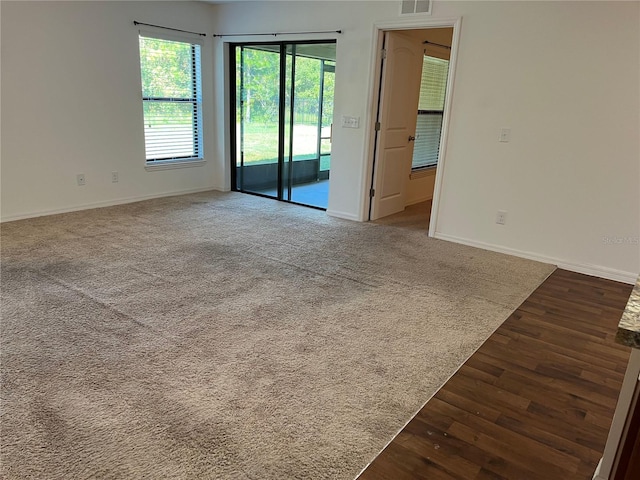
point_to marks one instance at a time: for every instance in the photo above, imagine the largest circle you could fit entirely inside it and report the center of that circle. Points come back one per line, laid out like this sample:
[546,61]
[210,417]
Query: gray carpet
[226,336]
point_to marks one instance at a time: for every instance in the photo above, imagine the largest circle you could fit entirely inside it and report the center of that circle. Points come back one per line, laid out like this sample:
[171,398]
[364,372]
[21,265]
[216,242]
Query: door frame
[379,29]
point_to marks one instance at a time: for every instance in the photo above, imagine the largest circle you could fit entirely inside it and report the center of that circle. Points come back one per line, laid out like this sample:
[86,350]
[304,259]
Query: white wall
[353,50]
[420,186]
[71,103]
[564,76]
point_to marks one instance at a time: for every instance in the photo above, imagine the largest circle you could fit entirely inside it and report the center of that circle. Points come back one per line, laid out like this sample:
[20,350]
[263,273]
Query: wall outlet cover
[350,122]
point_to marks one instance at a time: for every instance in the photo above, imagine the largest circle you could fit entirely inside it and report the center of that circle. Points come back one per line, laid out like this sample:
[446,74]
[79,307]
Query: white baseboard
[587,269]
[344,215]
[107,203]
[419,200]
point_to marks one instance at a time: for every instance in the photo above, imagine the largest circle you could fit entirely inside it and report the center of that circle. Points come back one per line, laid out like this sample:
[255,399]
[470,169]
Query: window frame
[197,158]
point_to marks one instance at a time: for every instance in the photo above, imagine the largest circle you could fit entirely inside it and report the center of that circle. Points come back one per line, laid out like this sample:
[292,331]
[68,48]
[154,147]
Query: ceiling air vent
[410,7]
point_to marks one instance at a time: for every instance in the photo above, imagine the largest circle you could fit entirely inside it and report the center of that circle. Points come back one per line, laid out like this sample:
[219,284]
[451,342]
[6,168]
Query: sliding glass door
[283,109]
[257,109]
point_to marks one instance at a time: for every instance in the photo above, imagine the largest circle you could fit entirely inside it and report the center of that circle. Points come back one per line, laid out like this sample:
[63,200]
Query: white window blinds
[172,99]
[430,112]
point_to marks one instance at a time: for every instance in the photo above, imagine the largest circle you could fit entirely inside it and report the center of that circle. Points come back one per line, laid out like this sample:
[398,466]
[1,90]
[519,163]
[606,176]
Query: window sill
[423,172]
[173,164]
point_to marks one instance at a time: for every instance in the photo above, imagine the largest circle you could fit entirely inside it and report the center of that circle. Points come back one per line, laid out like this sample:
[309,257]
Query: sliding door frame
[281,114]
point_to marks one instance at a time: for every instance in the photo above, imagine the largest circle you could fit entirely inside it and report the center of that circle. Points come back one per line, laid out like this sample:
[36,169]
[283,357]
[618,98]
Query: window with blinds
[171,99]
[430,112]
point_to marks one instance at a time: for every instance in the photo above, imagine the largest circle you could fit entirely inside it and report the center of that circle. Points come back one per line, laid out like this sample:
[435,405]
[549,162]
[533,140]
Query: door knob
[411,138]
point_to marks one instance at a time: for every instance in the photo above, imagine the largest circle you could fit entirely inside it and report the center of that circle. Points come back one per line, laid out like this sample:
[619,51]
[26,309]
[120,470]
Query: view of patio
[284,109]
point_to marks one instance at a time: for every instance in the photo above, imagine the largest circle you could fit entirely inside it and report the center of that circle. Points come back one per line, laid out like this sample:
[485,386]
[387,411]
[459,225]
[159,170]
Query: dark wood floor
[534,402]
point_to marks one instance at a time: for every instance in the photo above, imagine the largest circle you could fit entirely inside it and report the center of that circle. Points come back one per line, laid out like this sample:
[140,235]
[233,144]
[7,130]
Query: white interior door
[399,96]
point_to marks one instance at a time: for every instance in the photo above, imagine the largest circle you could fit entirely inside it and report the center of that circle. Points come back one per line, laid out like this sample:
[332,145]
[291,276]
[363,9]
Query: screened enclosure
[283,111]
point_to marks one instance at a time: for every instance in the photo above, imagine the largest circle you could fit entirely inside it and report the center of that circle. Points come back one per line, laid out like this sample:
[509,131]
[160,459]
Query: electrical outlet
[501,217]
[80,179]
[114,177]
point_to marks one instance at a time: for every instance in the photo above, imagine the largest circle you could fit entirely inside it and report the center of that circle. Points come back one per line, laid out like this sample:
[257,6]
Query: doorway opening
[282,110]
[412,100]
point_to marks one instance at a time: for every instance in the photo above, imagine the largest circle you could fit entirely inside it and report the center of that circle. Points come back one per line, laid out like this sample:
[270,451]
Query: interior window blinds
[430,112]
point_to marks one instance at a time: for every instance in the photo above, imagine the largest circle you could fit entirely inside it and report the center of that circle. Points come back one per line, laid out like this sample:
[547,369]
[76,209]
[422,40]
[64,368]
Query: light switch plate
[350,122]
